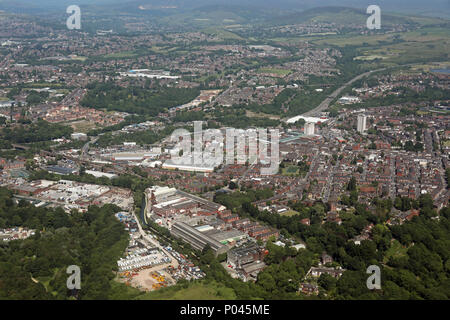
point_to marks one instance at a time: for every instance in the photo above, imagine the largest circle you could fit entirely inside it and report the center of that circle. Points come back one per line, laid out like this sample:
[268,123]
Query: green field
[370,58]
[121,55]
[396,250]
[222,33]
[290,171]
[424,44]
[290,213]
[197,291]
[280,72]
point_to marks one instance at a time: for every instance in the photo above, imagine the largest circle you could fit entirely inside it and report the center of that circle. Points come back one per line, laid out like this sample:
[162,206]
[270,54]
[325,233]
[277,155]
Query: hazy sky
[406,6]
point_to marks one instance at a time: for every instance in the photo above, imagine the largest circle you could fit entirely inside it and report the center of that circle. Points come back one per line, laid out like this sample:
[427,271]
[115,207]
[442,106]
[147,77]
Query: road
[392,188]
[329,185]
[85,148]
[325,103]
[154,242]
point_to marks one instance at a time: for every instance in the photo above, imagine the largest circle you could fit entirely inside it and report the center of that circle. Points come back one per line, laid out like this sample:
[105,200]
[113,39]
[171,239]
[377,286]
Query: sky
[405,6]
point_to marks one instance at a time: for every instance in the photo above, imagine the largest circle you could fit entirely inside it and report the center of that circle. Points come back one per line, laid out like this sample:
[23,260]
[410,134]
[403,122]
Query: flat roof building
[196,239]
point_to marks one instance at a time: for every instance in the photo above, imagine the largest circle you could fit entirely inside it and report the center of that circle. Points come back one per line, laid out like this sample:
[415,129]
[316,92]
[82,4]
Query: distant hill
[217,15]
[439,8]
[339,15]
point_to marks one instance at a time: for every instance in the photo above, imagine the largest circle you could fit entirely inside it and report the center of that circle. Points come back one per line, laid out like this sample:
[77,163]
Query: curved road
[85,148]
[325,103]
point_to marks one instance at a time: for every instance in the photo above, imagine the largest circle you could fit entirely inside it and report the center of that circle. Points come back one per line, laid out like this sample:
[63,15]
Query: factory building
[170,165]
[197,239]
[239,257]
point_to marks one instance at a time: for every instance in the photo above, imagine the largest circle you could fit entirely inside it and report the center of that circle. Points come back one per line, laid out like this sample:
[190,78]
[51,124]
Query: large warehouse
[197,239]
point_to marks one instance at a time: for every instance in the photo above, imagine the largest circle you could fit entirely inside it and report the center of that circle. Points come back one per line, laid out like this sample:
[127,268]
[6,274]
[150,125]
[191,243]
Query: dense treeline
[236,117]
[136,100]
[35,132]
[187,116]
[447,175]
[35,268]
[306,100]
[37,97]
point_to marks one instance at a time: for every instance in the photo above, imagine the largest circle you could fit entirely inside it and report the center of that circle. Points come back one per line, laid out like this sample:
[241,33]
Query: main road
[326,103]
[85,148]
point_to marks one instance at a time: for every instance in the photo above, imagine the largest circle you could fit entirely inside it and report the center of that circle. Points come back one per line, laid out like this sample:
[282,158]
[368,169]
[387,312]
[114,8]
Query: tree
[352,184]
[327,282]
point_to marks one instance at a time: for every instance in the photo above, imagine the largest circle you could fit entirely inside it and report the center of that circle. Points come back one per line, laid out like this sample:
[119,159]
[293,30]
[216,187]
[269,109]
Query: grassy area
[161,49]
[369,58]
[396,250]
[45,281]
[424,44]
[82,126]
[427,66]
[290,213]
[290,171]
[279,72]
[120,291]
[77,58]
[120,55]
[195,291]
[252,114]
[222,33]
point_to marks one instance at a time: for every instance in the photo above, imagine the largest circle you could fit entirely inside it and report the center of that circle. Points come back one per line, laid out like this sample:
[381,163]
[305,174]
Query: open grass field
[370,58]
[279,72]
[428,43]
[396,250]
[290,171]
[429,66]
[252,114]
[196,291]
[222,33]
[82,126]
[290,213]
[121,55]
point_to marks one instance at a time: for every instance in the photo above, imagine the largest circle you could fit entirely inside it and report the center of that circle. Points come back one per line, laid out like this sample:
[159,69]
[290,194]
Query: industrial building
[99,174]
[187,167]
[61,170]
[307,119]
[197,239]
[239,257]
